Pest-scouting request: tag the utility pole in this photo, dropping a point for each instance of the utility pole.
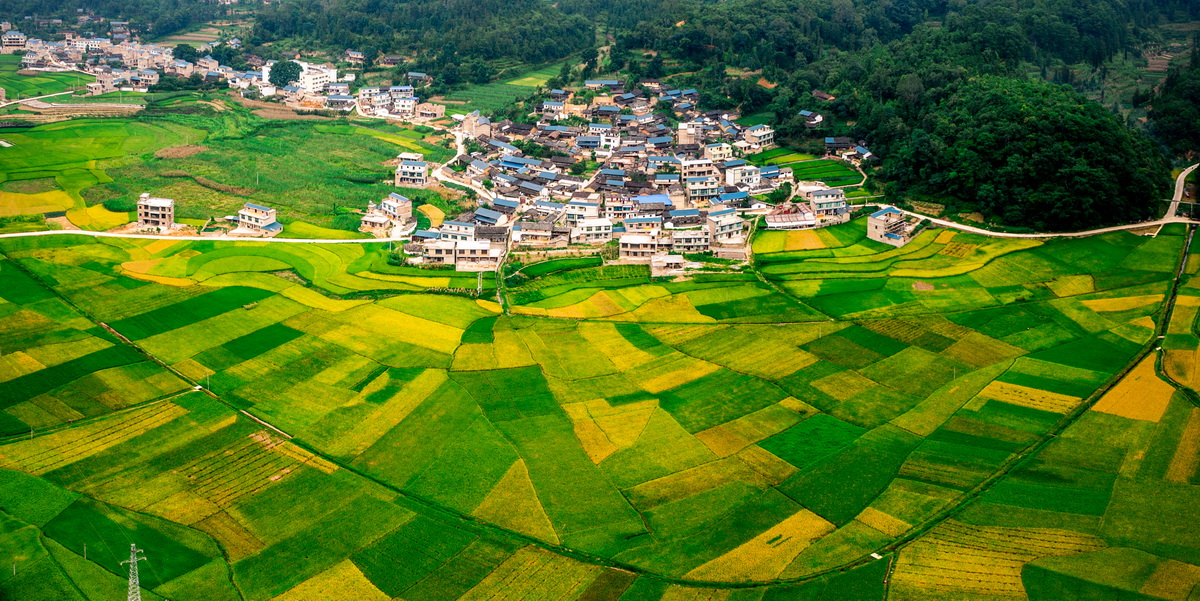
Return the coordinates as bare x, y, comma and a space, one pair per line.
135, 588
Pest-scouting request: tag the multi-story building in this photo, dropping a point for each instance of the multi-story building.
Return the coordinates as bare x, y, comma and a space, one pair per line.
890, 226
639, 248
257, 219
595, 230
761, 136
725, 225
155, 212
412, 174
12, 41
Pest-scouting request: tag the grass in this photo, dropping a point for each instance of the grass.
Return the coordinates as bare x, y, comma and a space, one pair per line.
733, 428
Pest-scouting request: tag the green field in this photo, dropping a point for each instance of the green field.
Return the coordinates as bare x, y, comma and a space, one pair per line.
305, 169
25, 86
492, 97
602, 434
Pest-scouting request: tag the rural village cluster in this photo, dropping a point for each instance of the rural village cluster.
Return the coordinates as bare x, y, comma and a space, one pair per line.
659, 183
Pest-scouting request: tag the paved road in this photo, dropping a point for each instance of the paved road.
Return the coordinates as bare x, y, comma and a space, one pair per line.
1179, 183
1097, 231
11, 102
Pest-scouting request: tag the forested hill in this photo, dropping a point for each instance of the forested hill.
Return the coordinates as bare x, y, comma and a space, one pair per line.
531, 31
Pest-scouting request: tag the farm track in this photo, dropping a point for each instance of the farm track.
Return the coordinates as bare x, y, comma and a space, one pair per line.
968, 497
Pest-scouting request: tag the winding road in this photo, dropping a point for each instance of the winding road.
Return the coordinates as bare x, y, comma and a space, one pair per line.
1180, 183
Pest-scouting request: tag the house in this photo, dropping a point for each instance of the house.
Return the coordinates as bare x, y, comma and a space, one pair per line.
747, 175
592, 230
638, 248
718, 152
395, 210
829, 204
832, 145
414, 174
890, 226
354, 57
429, 110
599, 84
791, 216
12, 41
725, 226
695, 240
811, 119
419, 77
257, 220
458, 231
155, 212
578, 210
822, 96
391, 60
760, 136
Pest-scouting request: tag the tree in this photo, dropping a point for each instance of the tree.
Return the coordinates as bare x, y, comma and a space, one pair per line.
186, 52
283, 73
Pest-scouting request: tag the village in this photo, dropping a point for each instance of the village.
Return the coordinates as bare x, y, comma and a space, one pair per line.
636, 165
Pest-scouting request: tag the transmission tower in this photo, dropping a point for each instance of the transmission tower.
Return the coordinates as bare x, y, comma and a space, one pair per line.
135, 589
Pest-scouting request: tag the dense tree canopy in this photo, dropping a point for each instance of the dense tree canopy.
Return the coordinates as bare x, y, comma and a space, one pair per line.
1176, 108
284, 73
1030, 153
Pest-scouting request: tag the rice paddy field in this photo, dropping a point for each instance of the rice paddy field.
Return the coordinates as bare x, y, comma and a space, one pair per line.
209, 164
25, 86
962, 418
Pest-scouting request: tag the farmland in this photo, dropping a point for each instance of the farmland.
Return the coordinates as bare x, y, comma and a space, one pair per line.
977, 411
209, 164
25, 86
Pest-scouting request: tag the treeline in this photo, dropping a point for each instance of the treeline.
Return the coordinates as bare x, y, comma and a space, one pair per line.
441, 33
159, 17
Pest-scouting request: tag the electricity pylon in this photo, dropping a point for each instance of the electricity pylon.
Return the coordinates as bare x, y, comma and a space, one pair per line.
135, 588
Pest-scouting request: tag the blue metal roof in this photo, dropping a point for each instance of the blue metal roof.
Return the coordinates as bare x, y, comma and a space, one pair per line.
488, 215
251, 205
887, 211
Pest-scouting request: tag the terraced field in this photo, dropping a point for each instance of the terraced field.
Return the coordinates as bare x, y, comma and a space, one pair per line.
975, 412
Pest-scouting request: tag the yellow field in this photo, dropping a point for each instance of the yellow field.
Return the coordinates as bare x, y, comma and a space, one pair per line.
436, 216
603, 429
766, 555
12, 203
513, 503
963, 561
883, 522
342, 581
1183, 367
1139, 395
1033, 398
1071, 285
1122, 304
387, 415
1187, 454
945, 236
60, 449
1172, 580
803, 240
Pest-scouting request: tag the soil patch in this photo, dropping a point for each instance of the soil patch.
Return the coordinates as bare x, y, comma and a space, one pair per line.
31, 186
922, 286
179, 152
